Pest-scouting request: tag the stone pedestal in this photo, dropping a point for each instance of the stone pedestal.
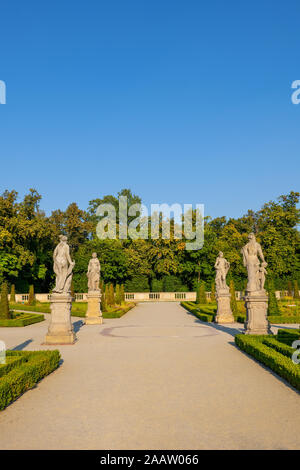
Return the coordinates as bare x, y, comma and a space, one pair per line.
224, 313
256, 304
60, 330
93, 315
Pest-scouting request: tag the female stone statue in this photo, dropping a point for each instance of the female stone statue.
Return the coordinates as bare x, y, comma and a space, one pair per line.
222, 267
252, 254
63, 266
93, 273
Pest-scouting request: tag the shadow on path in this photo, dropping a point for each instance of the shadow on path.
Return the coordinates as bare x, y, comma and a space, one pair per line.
21, 346
77, 325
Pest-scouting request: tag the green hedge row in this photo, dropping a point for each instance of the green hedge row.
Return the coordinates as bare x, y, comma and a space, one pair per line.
35, 366
21, 319
280, 319
288, 336
119, 312
11, 362
279, 363
205, 313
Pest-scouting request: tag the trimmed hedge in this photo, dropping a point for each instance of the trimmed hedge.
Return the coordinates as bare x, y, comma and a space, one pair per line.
22, 319
283, 365
33, 367
119, 312
288, 336
205, 312
281, 319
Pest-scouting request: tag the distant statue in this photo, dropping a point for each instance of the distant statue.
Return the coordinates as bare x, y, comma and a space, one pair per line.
222, 266
63, 266
93, 273
252, 254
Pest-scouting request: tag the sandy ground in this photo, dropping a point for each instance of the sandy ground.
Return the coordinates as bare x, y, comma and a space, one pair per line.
156, 378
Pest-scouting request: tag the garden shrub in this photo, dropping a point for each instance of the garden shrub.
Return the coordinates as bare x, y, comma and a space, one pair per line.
33, 367
4, 305
275, 360
12, 293
273, 308
288, 336
21, 319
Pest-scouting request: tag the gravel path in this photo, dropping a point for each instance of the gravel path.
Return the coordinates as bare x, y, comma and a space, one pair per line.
156, 378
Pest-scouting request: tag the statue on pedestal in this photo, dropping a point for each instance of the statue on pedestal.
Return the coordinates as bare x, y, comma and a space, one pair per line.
256, 298
63, 266
222, 266
252, 254
60, 330
93, 273
224, 313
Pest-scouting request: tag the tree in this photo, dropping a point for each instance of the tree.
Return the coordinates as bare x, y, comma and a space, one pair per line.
13, 293
4, 304
122, 293
103, 298
233, 303
72, 290
118, 296
290, 289
202, 293
273, 308
213, 292
296, 290
31, 298
106, 296
111, 295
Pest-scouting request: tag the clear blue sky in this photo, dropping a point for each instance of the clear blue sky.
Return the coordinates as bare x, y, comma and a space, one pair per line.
183, 101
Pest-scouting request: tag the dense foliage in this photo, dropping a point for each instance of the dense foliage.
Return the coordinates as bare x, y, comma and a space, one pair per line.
28, 238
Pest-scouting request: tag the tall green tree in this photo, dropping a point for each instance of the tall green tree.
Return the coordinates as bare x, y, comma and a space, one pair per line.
4, 304
233, 302
273, 308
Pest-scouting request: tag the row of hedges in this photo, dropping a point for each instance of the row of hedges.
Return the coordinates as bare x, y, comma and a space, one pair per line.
34, 366
271, 352
282, 319
78, 310
208, 312
205, 312
288, 336
21, 319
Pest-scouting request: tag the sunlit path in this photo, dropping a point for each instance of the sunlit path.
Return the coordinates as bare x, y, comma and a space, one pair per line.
156, 378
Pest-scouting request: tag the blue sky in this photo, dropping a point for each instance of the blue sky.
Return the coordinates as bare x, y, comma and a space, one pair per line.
181, 101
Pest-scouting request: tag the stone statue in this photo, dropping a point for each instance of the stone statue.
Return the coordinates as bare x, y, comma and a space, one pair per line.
252, 254
93, 273
63, 266
222, 267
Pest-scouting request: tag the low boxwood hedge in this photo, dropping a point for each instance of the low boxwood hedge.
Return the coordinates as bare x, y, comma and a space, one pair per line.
281, 319
21, 319
261, 349
288, 336
204, 312
23, 375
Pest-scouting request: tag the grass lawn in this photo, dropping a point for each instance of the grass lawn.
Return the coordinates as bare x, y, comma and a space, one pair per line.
78, 309
21, 319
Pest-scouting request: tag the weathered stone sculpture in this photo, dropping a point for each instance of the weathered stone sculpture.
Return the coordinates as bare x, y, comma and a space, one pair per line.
224, 313
256, 298
61, 330
93, 314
